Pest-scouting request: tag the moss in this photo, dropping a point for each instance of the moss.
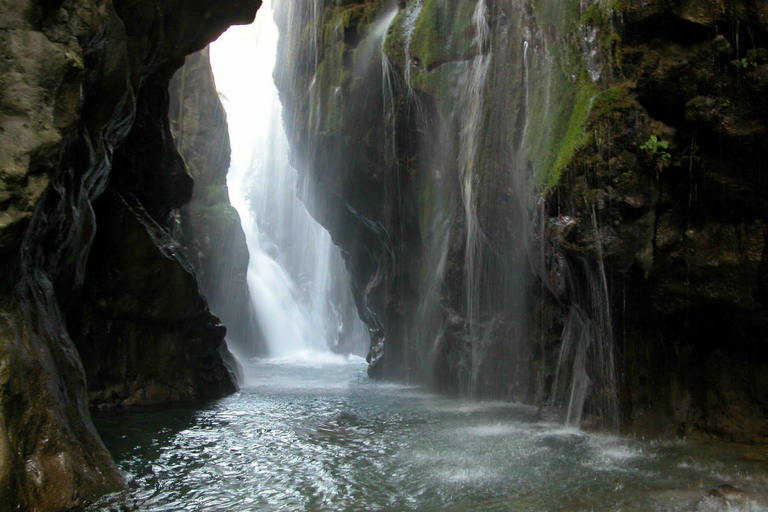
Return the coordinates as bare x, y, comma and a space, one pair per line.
615, 99
603, 18
442, 84
557, 128
427, 38
628, 180
345, 24
593, 15
209, 195
333, 81
575, 136
393, 42
443, 32
348, 20
220, 218
562, 16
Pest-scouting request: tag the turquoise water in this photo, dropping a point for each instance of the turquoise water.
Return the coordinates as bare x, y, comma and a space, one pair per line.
322, 437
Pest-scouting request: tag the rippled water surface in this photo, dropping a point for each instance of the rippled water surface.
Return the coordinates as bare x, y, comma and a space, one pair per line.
322, 437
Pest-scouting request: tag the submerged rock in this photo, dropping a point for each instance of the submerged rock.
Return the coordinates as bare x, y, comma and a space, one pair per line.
728, 494
723, 497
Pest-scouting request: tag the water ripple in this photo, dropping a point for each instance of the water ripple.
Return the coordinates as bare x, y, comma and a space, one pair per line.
324, 438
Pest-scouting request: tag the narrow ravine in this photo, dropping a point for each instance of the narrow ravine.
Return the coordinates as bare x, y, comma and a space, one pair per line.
310, 431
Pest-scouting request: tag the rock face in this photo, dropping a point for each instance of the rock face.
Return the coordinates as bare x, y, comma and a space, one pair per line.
210, 225
84, 107
555, 202
673, 172
143, 330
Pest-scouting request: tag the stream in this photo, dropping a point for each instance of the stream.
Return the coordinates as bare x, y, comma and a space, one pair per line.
318, 435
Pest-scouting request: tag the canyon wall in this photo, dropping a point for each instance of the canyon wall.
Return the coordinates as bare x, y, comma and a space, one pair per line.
559, 203
551, 202
89, 183
210, 226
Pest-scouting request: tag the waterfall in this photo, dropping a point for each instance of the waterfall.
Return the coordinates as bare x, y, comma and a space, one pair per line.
296, 275
471, 110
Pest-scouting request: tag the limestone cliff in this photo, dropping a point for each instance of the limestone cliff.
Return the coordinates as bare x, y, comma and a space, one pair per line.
85, 140
553, 202
673, 171
210, 225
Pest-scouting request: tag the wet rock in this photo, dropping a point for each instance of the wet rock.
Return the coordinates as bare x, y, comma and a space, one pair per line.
70, 74
727, 495
144, 331
210, 226
656, 186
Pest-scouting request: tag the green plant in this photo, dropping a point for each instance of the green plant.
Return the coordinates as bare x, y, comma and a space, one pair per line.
746, 62
658, 149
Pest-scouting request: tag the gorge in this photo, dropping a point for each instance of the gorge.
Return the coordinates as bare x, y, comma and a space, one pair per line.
549, 213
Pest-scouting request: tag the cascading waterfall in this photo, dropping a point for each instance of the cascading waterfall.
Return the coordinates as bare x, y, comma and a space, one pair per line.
434, 126
296, 275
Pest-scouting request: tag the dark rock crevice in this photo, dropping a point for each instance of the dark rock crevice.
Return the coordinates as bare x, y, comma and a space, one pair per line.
210, 228
72, 75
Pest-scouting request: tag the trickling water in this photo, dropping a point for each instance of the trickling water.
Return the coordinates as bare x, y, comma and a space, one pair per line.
588, 338
471, 110
526, 66
606, 366
296, 275
414, 10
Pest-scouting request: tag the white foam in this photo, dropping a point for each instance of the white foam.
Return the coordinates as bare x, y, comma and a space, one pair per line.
493, 430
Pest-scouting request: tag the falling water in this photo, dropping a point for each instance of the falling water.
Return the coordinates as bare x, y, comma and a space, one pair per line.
409, 26
526, 66
469, 135
296, 275
588, 339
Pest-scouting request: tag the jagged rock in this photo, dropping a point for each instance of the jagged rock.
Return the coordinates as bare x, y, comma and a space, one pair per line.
211, 227
728, 494
143, 329
72, 72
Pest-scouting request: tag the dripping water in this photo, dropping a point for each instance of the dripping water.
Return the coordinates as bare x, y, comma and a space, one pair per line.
471, 110
409, 26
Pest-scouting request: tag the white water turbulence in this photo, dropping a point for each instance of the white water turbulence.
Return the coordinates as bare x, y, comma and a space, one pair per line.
296, 276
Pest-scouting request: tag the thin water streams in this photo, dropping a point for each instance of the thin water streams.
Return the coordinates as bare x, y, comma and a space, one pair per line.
472, 101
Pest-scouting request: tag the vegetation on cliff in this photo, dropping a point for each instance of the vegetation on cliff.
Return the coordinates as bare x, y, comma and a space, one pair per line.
606, 135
